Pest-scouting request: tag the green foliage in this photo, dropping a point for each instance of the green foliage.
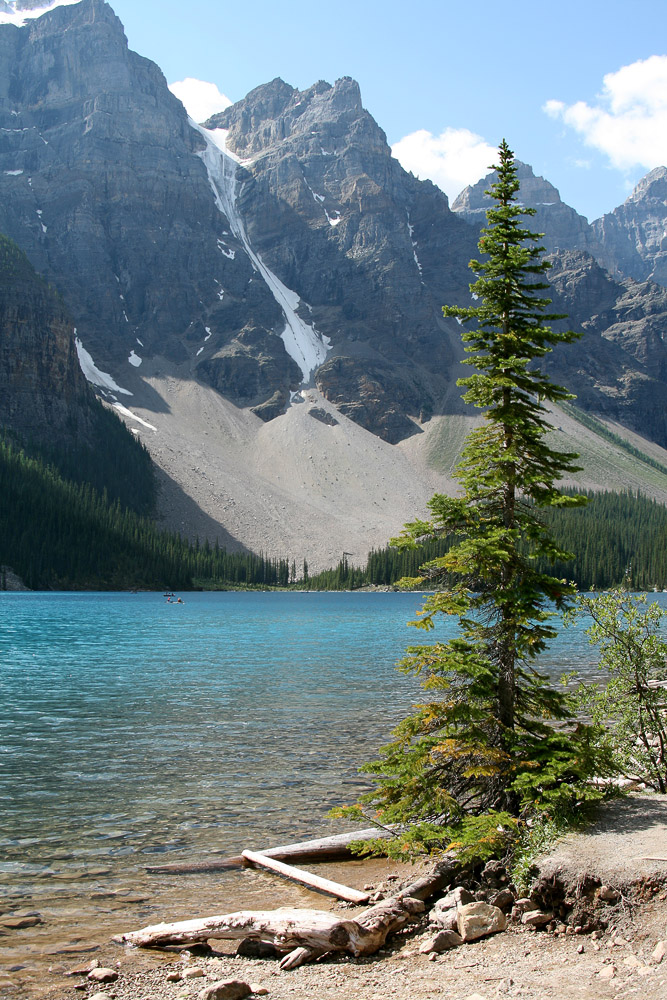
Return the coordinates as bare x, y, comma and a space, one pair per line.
612, 532
494, 737
632, 704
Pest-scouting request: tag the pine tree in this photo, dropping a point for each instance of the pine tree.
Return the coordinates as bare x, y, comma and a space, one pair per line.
486, 745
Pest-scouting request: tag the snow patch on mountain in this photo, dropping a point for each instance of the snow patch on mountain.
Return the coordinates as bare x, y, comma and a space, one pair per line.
101, 379
303, 342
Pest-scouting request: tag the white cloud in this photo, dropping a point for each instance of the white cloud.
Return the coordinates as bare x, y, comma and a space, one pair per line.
200, 99
452, 160
628, 122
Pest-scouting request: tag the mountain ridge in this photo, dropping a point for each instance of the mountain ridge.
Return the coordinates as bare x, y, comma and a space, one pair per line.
195, 260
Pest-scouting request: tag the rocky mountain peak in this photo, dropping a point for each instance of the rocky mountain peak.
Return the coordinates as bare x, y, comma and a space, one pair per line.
635, 234
563, 228
535, 191
319, 116
651, 187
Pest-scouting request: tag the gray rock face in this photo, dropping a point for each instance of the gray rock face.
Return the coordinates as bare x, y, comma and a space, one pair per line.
43, 394
103, 184
635, 234
619, 367
373, 251
563, 228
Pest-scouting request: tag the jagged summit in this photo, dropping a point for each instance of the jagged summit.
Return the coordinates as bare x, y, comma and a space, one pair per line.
535, 191
563, 228
651, 187
276, 112
634, 234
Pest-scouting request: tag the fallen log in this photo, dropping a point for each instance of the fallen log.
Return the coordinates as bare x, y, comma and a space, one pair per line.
307, 878
302, 934
335, 848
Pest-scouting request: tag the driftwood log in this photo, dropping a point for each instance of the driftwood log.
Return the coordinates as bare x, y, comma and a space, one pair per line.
306, 878
334, 848
303, 935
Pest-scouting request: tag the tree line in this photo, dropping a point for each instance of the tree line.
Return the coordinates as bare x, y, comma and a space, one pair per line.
58, 533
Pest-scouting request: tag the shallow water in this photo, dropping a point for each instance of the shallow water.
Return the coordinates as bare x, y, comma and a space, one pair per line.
135, 732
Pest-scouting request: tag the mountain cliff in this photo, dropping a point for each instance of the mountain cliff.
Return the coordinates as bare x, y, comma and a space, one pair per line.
635, 235
44, 396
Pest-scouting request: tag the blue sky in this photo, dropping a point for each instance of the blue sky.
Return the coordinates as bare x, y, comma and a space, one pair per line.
435, 65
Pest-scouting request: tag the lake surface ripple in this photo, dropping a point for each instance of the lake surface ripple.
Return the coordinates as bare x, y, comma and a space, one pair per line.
135, 732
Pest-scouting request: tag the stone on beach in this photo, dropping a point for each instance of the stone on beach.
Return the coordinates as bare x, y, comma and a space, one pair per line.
226, 989
536, 918
476, 920
103, 975
442, 941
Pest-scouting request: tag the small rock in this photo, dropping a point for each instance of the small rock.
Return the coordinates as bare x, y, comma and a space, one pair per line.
18, 923
632, 962
99, 996
659, 952
607, 973
103, 975
194, 972
173, 977
441, 942
608, 894
226, 989
83, 970
494, 871
259, 991
536, 918
524, 904
476, 920
457, 897
580, 949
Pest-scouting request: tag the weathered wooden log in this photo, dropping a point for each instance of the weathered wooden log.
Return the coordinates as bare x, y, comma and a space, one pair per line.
303, 934
334, 848
325, 885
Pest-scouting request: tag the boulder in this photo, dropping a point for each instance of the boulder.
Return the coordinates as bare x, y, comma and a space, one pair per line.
503, 899
476, 920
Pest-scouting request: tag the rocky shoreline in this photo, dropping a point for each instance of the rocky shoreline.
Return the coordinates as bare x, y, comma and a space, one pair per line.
594, 924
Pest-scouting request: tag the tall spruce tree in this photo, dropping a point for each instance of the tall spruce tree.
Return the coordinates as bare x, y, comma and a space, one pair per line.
496, 737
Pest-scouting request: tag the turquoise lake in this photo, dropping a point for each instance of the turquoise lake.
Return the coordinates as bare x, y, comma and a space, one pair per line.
135, 732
